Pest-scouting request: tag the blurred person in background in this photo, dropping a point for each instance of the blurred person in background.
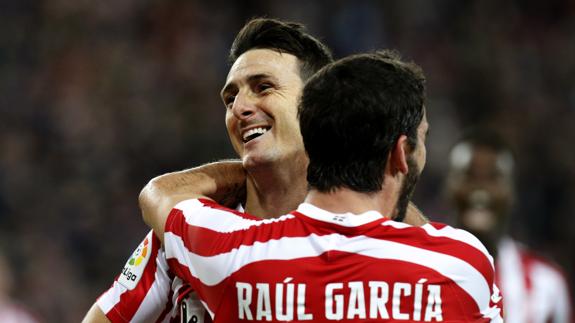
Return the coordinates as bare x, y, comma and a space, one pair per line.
10, 310
480, 185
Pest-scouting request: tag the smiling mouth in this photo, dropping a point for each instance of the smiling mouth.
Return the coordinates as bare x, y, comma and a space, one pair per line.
254, 133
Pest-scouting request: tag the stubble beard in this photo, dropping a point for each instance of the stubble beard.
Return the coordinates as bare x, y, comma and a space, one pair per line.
407, 188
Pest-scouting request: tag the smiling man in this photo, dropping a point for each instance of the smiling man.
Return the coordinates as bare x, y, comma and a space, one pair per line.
271, 60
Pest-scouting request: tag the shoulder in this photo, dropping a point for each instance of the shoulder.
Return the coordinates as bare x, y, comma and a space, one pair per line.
458, 236
205, 213
457, 245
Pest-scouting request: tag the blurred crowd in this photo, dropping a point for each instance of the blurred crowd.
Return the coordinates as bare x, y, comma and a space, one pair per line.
98, 97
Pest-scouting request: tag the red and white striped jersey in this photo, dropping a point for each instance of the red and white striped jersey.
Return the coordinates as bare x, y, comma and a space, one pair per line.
535, 290
314, 265
146, 290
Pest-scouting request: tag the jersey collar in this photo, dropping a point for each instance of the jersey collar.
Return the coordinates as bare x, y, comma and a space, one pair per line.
349, 220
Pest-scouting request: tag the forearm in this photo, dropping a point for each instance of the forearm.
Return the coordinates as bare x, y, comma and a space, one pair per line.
221, 181
414, 216
95, 315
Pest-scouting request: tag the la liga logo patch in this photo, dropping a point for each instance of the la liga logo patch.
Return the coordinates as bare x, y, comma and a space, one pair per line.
134, 268
140, 253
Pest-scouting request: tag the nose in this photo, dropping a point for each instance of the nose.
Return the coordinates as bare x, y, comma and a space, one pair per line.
244, 106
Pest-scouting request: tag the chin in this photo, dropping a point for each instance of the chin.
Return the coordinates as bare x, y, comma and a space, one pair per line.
256, 160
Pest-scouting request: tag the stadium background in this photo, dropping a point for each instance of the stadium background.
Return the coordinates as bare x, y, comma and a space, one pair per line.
97, 97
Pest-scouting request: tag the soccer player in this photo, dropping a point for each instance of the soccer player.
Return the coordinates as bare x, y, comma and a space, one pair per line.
480, 183
339, 256
271, 60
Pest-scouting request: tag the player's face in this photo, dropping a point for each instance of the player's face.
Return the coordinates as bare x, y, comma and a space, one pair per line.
416, 162
261, 94
482, 192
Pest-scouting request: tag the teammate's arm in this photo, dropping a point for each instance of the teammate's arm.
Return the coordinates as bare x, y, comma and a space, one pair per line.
222, 181
95, 315
414, 216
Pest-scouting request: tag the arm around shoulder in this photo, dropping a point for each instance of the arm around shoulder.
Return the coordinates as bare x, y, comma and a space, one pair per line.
221, 181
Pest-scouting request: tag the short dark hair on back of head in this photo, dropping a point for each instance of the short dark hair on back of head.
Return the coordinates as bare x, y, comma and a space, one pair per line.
351, 114
284, 37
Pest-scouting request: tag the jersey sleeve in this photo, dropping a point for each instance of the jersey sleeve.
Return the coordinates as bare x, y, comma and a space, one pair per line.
178, 235
191, 228
193, 222
478, 275
143, 290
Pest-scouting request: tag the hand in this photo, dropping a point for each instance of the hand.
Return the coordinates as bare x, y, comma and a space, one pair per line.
222, 181
414, 216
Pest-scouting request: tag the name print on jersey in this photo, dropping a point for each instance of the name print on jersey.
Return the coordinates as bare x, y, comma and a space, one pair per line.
354, 300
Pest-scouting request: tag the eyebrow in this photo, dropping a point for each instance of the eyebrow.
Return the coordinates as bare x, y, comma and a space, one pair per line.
251, 79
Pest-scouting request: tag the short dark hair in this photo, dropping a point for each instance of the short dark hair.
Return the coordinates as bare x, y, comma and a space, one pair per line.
284, 37
351, 114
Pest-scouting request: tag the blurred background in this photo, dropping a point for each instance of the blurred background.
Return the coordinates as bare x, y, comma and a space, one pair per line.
98, 97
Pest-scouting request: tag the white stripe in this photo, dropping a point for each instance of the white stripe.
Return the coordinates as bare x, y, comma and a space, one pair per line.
397, 225
111, 297
212, 270
199, 215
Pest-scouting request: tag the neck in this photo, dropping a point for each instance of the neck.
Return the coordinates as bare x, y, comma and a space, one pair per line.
344, 200
276, 188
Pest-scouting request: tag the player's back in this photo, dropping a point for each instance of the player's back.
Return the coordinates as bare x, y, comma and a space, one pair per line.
318, 266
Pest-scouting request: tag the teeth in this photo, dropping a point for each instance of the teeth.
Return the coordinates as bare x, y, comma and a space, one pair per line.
254, 131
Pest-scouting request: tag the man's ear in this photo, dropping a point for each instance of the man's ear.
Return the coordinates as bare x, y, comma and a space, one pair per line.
398, 156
